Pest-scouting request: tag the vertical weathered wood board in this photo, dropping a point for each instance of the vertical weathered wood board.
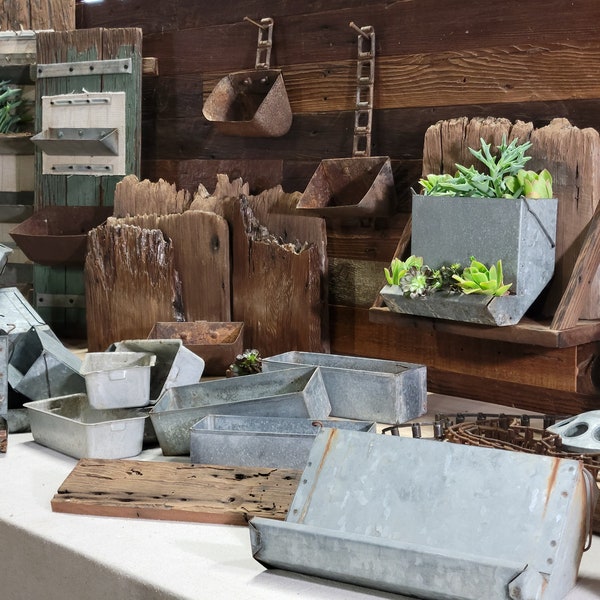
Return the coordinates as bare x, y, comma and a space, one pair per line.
58, 289
130, 283
277, 288
201, 253
37, 14
569, 153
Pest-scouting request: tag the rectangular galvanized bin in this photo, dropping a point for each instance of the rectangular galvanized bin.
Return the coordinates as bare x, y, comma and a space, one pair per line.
384, 391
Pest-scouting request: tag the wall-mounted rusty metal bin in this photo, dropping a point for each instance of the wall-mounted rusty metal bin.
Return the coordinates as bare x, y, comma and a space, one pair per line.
57, 235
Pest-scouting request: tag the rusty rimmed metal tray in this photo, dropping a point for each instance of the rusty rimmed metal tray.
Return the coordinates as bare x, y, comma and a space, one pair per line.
278, 442
368, 389
432, 519
294, 392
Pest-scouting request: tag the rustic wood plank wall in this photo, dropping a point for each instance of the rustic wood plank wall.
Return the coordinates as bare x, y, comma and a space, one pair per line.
436, 59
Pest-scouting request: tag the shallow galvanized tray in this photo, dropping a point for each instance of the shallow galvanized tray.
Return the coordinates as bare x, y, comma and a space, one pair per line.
117, 379
69, 424
296, 392
260, 441
368, 389
433, 520
218, 343
175, 364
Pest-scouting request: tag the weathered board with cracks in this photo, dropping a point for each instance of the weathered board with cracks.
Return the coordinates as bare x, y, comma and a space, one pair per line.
572, 156
130, 284
176, 491
201, 254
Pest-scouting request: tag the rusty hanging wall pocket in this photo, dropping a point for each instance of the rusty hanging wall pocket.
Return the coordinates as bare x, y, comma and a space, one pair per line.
252, 103
361, 186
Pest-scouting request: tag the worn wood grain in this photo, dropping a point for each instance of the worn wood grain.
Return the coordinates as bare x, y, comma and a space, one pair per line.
130, 284
134, 197
176, 491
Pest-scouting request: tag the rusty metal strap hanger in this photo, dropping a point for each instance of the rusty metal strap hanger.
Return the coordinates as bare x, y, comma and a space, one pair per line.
265, 42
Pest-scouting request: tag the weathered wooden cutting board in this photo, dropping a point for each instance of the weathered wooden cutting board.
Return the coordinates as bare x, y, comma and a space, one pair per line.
176, 491
201, 254
130, 284
572, 156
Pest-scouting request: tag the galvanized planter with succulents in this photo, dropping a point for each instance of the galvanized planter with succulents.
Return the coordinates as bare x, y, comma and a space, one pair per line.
15, 117
483, 243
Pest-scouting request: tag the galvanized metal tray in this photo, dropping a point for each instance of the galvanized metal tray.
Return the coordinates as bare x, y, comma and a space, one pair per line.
69, 424
432, 519
295, 392
368, 389
278, 442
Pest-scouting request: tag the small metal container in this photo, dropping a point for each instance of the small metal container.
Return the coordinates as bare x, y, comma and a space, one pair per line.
260, 441
175, 365
367, 389
296, 392
69, 424
117, 379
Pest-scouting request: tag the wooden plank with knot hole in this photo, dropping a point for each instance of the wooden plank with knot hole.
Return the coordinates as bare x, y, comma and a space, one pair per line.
176, 491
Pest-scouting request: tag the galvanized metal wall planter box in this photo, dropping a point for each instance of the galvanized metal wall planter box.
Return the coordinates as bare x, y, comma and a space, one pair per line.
69, 424
296, 392
368, 389
432, 519
445, 230
278, 442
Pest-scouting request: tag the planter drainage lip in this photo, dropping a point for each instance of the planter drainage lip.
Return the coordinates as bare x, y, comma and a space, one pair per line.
292, 392
369, 507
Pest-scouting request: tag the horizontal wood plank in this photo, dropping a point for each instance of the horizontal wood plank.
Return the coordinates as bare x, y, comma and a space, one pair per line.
175, 491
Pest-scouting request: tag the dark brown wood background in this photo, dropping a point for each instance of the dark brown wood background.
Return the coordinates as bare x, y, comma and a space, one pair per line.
436, 59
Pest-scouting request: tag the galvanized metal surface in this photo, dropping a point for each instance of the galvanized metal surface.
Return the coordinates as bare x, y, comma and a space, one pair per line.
217, 343
580, 433
174, 366
57, 235
520, 232
432, 519
252, 103
117, 379
117, 66
368, 389
294, 392
69, 424
88, 141
40, 366
260, 441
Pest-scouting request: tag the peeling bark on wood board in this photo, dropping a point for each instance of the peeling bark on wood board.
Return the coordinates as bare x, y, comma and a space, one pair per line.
130, 284
277, 288
201, 254
176, 491
570, 154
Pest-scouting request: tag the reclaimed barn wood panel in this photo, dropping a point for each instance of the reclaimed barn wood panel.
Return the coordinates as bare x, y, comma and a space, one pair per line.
37, 14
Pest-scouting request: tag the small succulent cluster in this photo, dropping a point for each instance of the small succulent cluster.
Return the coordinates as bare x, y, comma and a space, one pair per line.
506, 176
247, 363
12, 108
417, 280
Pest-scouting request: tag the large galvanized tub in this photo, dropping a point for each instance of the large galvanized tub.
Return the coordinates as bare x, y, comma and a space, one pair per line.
69, 424
117, 379
40, 366
218, 343
520, 232
296, 392
175, 364
368, 389
278, 442
432, 519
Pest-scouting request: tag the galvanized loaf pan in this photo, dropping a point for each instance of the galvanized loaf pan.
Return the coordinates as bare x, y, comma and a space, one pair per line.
260, 441
367, 389
433, 520
296, 392
69, 424
117, 379
175, 365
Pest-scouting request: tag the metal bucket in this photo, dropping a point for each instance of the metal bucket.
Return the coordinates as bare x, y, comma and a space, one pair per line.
361, 186
252, 103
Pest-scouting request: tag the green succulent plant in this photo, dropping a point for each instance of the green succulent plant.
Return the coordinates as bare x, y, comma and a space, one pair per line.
505, 176
398, 268
478, 279
247, 363
13, 109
